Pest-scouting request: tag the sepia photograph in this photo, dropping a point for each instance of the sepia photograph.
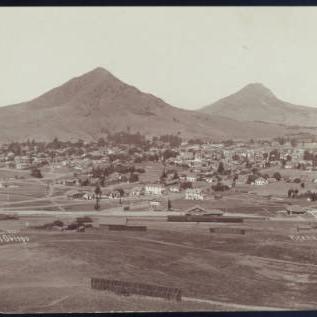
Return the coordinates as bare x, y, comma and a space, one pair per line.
158, 159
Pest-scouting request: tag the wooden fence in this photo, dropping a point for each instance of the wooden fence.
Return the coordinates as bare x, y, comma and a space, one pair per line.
127, 288
204, 219
126, 228
228, 230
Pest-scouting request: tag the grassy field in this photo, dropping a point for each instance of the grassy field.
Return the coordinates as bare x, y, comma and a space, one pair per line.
7, 173
51, 273
153, 171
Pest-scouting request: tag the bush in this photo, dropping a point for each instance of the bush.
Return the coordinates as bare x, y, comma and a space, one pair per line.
58, 223
133, 178
277, 176
220, 187
185, 185
35, 172
73, 226
83, 219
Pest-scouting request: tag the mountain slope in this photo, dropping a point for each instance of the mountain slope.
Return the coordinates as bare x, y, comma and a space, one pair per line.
255, 102
96, 103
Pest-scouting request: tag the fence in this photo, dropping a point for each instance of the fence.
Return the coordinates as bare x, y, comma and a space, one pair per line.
12, 238
228, 230
8, 217
204, 219
303, 237
126, 228
127, 288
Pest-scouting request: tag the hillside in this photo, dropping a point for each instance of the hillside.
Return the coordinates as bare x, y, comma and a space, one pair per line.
255, 102
96, 103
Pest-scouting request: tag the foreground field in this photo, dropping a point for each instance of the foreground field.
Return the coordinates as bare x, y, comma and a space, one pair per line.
263, 269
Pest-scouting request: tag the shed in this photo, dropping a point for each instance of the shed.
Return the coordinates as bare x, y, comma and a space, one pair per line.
197, 210
295, 209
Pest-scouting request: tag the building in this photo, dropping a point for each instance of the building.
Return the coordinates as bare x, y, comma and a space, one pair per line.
154, 189
261, 181
115, 194
242, 179
194, 194
197, 210
155, 205
136, 192
23, 162
295, 209
174, 189
191, 179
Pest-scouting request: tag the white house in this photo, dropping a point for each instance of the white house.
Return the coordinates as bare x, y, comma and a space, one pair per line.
261, 181
136, 192
174, 189
191, 179
154, 189
155, 205
194, 194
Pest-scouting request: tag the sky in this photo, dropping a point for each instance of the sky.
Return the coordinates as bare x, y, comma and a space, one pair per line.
188, 56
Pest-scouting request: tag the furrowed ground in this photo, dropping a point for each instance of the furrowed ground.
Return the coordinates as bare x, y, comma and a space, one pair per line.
263, 268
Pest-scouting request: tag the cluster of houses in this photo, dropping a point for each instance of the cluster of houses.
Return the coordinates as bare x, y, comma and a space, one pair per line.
196, 163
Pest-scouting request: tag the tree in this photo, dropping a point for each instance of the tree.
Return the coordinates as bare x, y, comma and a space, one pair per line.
221, 168
121, 191
163, 175
251, 179
228, 142
293, 142
289, 193
277, 176
84, 182
55, 144
35, 172
274, 155
133, 178
101, 142
79, 143
185, 185
15, 147
169, 204
98, 196
220, 187
308, 156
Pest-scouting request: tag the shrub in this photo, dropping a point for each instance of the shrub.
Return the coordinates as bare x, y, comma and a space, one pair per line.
84, 219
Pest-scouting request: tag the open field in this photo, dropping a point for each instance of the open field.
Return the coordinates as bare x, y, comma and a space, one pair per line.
264, 268
8, 173
153, 171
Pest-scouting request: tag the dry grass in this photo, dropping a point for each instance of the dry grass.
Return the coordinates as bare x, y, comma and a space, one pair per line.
52, 272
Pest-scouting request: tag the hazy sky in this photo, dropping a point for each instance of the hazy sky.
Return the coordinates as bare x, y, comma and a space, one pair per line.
188, 56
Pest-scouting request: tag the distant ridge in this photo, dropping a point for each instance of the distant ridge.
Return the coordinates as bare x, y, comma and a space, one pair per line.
255, 102
96, 103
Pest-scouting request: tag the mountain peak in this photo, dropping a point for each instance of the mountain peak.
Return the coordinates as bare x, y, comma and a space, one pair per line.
99, 72
257, 89
255, 102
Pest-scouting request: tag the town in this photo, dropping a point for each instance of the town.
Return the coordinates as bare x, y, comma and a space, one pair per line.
128, 168
207, 205
158, 159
